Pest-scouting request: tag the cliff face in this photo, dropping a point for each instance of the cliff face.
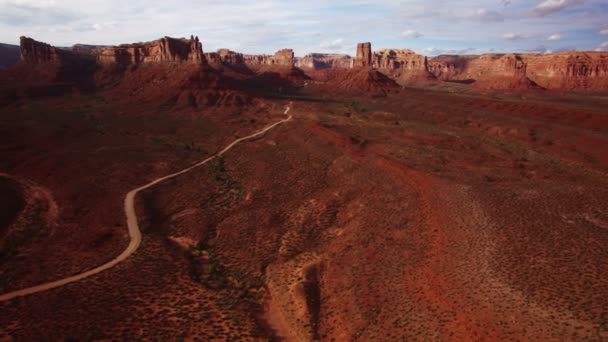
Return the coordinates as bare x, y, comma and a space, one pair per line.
35, 52
166, 49
402, 64
364, 55
570, 70
225, 56
283, 57
574, 70
320, 61
492, 71
477, 67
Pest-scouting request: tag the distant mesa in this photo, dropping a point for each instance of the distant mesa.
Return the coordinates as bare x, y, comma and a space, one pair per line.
402, 64
567, 70
166, 49
35, 52
320, 61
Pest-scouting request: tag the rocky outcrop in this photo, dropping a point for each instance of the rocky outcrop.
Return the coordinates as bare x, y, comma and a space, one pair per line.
569, 70
283, 57
364, 55
225, 56
166, 49
402, 64
477, 67
448, 67
35, 52
491, 71
320, 61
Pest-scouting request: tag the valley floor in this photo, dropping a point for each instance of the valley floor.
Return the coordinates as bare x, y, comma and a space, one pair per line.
423, 215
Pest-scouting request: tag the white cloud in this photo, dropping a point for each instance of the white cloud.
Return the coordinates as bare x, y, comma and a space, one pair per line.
270, 25
554, 37
411, 34
602, 47
513, 36
332, 45
604, 32
552, 6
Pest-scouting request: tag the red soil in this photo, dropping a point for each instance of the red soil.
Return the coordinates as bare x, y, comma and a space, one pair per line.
417, 215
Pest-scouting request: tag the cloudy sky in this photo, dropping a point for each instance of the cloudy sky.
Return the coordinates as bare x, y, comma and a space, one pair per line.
429, 27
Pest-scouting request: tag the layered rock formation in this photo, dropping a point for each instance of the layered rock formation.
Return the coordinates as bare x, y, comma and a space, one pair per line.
166, 49
320, 61
283, 57
364, 55
35, 52
477, 67
401, 64
569, 70
491, 71
225, 56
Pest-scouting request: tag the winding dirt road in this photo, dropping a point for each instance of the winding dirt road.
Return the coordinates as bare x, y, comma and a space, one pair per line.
132, 224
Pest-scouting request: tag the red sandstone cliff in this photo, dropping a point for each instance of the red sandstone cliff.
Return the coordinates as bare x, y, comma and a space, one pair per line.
320, 61
569, 70
496, 71
401, 64
283, 57
35, 52
166, 49
364, 55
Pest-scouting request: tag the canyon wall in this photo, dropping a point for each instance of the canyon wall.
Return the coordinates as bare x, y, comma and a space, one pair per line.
35, 52
163, 50
477, 67
492, 71
225, 56
569, 70
166, 49
320, 61
401, 64
283, 57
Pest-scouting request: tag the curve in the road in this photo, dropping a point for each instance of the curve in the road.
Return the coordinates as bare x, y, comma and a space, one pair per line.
132, 224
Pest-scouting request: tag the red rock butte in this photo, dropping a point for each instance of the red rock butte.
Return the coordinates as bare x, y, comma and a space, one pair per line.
566, 70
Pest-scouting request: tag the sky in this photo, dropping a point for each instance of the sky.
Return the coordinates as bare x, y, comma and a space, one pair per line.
429, 27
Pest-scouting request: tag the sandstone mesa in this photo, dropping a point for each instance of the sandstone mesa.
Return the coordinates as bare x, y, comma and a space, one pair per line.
567, 70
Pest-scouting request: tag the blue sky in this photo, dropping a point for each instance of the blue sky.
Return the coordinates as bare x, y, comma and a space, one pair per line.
429, 27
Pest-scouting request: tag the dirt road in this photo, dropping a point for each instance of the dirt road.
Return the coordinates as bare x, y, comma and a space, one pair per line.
132, 224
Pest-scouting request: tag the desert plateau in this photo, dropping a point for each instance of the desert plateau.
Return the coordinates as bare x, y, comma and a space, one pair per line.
157, 189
